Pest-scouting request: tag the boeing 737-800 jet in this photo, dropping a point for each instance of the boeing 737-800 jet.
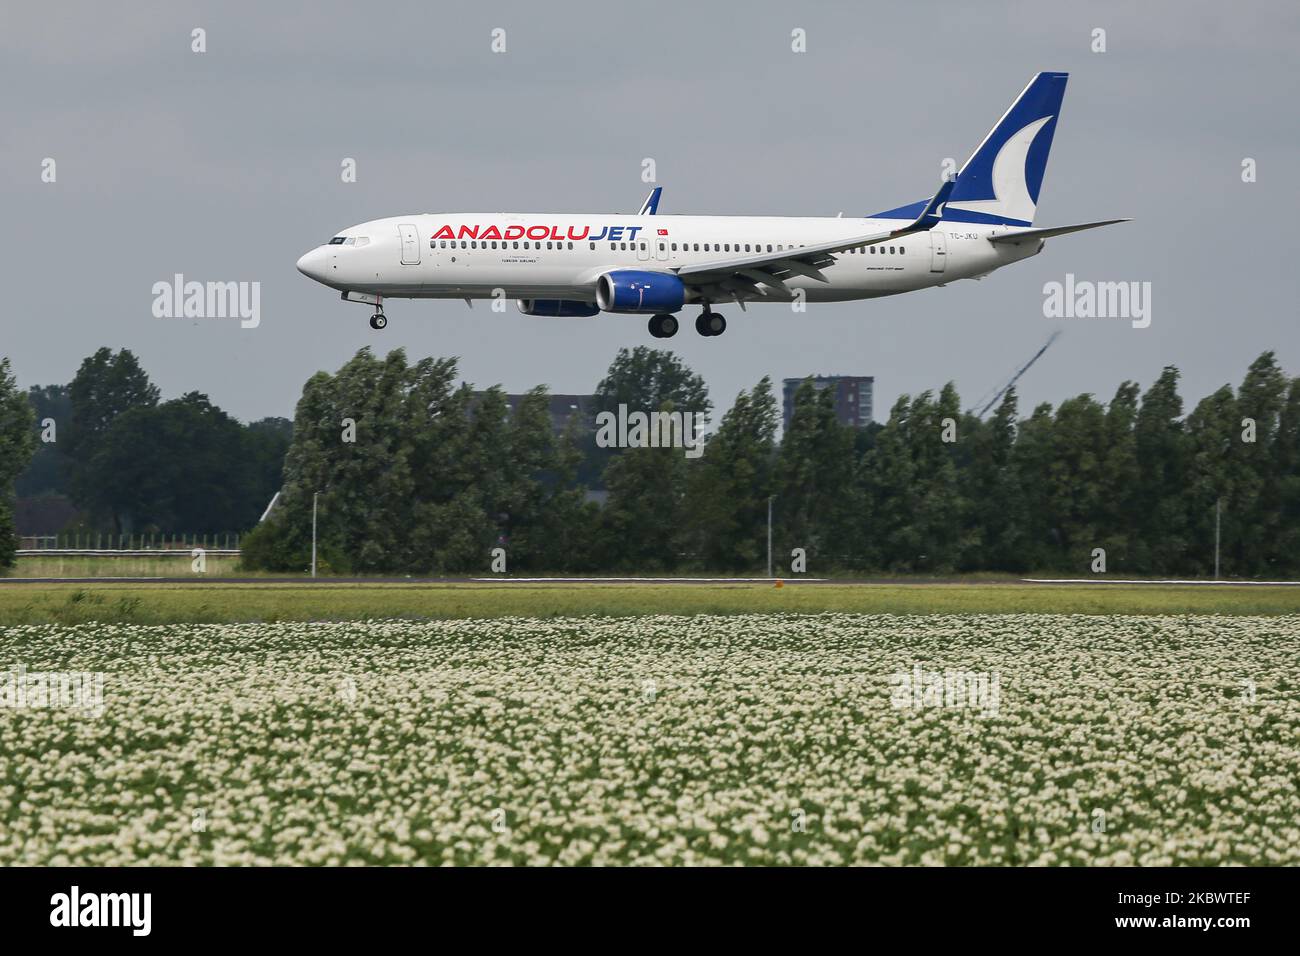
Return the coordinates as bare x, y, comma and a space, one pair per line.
657, 265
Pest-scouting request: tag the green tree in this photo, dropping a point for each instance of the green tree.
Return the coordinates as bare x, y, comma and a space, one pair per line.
1212, 428
182, 465
645, 379
106, 385
17, 444
413, 473
550, 525
814, 480
885, 534
994, 502
1156, 509
642, 522
49, 472
267, 441
1285, 546
1118, 480
1256, 504
1034, 466
730, 484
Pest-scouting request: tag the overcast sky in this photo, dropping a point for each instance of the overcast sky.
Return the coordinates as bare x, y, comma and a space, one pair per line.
225, 166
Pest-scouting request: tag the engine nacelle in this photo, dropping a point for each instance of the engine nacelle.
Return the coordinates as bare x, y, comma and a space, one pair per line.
629, 290
560, 308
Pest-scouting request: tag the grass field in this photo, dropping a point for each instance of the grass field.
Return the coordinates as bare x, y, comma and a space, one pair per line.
764, 739
171, 565
215, 602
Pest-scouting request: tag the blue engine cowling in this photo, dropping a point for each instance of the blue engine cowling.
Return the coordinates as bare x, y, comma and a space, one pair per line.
563, 308
628, 290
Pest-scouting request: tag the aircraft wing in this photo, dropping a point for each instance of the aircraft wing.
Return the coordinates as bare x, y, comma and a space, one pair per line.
733, 278
1047, 233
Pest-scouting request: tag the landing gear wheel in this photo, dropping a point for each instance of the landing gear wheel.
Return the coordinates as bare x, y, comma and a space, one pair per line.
710, 324
377, 321
663, 325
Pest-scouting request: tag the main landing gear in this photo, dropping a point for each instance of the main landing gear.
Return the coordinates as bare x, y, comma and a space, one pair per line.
377, 321
710, 323
663, 325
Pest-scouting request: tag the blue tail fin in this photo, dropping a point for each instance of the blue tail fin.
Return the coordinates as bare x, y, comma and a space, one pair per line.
1001, 181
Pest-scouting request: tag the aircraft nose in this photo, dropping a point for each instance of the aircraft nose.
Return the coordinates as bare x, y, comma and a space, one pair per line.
313, 264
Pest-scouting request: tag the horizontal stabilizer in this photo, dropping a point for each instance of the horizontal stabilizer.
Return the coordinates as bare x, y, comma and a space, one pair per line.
1025, 235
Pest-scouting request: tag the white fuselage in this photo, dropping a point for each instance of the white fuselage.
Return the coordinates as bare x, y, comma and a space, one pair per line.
544, 256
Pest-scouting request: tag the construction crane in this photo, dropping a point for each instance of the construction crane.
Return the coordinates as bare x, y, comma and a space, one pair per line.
1014, 378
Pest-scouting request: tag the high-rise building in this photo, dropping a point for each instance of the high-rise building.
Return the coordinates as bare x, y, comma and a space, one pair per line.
853, 397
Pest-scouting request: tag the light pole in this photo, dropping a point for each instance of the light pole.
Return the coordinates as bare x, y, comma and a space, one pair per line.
770, 499
1217, 503
315, 495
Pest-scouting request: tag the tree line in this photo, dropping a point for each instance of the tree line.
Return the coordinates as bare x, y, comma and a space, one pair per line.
129, 461
414, 472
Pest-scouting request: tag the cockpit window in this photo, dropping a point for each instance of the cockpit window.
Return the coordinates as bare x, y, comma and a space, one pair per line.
336, 241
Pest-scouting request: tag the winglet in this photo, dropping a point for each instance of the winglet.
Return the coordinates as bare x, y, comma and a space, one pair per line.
931, 215
933, 211
651, 205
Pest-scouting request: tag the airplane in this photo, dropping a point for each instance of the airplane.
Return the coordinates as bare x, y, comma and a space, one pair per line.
582, 265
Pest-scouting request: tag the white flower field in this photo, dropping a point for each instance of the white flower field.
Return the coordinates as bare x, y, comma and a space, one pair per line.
773, 739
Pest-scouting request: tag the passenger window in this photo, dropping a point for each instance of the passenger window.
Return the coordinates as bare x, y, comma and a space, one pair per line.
769, 247
593, 247
643, 247
674, 247
902, 251
516, 245
570, 245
